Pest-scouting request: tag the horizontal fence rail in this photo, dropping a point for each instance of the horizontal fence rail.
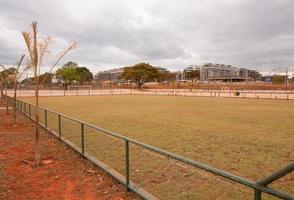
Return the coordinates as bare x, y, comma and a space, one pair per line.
59, 129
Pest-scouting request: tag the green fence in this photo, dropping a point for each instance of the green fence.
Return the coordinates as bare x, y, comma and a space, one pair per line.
142, 167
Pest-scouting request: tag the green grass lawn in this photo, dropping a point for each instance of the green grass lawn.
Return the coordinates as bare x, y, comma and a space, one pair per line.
247, 137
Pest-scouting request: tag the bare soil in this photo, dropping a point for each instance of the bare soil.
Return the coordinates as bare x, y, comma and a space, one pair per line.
63, 174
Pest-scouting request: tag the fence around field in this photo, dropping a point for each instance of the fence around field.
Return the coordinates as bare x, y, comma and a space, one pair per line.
250, 94
148, 170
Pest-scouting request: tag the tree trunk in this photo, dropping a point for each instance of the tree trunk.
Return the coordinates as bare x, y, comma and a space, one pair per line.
14, 102
1, 90
36, 73
37, 132
140, 85
6, 99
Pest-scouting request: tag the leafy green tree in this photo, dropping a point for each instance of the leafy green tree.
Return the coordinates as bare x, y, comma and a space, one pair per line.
84, 75
46, 78
71, 63
67, 75
193, 74
279, 79
27, 81
165, 75
6, 75
141, 73
71, 72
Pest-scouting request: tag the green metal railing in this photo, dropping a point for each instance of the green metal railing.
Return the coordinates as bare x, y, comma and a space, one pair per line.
258, 187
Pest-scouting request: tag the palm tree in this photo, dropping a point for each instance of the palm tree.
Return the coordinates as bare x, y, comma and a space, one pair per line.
38, 49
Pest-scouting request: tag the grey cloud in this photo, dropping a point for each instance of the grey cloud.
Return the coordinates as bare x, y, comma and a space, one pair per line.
170, 33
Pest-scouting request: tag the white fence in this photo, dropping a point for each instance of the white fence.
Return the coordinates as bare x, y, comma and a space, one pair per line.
254, 94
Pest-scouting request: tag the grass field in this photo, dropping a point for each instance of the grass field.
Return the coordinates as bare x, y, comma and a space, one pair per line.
250, 138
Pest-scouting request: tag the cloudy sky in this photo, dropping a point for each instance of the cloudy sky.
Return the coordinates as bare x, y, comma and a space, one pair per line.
168, 33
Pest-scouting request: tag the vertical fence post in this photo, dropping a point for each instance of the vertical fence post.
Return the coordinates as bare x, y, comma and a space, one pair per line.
21, 106
257, 194
127, 165
25, 108
82, 138
59, 126
45, 112
30, 110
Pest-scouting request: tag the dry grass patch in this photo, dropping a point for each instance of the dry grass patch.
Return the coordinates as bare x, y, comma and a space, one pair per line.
248, 137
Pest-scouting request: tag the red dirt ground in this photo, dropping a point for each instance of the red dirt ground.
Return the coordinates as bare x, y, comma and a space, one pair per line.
63, 174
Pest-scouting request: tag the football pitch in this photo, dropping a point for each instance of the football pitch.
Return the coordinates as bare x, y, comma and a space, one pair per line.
247, 137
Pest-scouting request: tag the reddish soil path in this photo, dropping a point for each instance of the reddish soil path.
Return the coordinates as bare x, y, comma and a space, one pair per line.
64, 174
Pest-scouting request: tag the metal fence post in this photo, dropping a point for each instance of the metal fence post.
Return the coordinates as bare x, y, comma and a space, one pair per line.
59, 126
127, 165
82, 138
30, 110
45, 118
25, 108
257, 194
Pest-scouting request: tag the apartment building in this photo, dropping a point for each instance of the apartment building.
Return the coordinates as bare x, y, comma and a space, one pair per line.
187, 70
112, 75
218, 72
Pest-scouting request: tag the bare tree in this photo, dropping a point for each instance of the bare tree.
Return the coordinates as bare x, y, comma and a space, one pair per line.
1, 90
4, 80
1, 83
16, 77
37, 50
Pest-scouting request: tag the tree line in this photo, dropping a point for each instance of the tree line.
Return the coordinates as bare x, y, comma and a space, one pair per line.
66, 75
144, 72
71, 73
